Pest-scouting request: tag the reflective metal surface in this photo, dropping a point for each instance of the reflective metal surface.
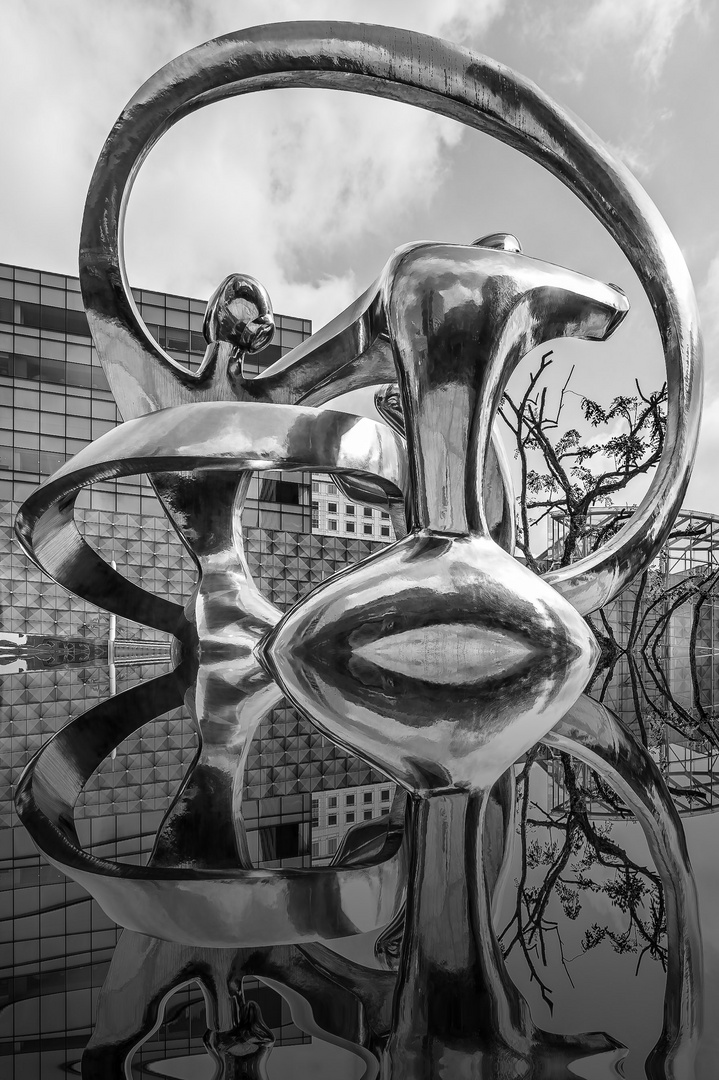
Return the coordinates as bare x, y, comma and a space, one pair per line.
443, 659
225, 687
222, 441
440, 660
351, 351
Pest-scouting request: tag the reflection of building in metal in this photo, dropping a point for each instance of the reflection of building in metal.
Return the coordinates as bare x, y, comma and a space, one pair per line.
334, 514
56, 943
691, 774
34, 652
666, 686
675, 612
334, 812
693, 542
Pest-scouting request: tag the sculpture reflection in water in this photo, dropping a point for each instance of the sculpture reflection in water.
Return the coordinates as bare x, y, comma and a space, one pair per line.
441, 660
339, 1001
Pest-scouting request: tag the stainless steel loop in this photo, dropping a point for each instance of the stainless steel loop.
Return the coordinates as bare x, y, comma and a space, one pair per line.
446, 79
205, 436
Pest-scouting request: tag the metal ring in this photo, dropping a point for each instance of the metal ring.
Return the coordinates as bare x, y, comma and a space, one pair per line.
216, 435
467, 87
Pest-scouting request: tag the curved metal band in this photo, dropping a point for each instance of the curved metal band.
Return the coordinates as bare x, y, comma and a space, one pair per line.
216, 435
218, 909
467, 87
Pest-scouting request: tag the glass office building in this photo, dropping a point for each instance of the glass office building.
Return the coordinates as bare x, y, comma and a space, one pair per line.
55, 943
665, 688
55, 397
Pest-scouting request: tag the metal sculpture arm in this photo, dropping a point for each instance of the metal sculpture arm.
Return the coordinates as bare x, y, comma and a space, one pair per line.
221, 436
446, 79
594, 735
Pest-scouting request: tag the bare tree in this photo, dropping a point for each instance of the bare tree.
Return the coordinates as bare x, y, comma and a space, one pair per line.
576, 474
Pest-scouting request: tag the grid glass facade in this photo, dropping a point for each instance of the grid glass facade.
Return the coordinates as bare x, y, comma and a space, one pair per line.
664, 685
55, 397
56, 945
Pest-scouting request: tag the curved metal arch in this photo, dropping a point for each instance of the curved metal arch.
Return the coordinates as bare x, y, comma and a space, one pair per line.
214, 435
457, 83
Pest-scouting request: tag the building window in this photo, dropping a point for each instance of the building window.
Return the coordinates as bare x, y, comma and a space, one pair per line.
368, 511
349, 818
368, 530
349, 526
332, 845
315, 488
280, 491
367, 815
280, 841
349, 800
332, 802
349, 509
315, 849
385, 795
331, 819
367, 796
385, 516
385, 811
332, 524
385, 530
331, 508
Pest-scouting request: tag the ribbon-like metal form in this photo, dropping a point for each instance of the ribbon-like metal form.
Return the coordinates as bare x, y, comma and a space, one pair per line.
441, 659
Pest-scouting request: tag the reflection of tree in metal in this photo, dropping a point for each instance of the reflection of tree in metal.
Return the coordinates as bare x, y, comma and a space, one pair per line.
660, 646
441, 659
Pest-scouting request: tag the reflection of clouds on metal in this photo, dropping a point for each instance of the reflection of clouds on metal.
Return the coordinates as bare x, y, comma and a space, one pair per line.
441, 659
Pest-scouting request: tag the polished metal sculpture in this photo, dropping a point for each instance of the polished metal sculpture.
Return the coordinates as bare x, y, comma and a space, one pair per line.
440, 660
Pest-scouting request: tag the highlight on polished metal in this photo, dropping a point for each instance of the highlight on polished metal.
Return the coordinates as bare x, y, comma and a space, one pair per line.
440, 661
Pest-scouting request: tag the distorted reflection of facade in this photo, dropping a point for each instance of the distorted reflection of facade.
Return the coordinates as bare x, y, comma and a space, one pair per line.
54, 399
335, 812
664, 682
334, 515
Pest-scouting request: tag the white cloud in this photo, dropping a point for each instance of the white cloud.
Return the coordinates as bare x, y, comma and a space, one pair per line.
278, 184
460, 21
709, 313
635, 158
649, 25
575, 32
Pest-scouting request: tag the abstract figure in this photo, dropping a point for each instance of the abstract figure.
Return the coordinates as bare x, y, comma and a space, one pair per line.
440, 660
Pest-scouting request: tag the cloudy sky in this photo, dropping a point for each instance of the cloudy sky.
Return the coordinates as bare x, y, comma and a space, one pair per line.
311, 190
